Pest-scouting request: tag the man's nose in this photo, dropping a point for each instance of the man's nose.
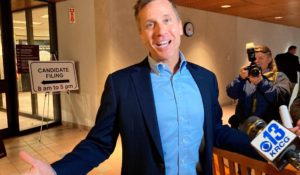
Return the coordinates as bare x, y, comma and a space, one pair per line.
160, 28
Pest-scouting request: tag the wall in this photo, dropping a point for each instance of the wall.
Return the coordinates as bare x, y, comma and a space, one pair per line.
105, 38
77, 42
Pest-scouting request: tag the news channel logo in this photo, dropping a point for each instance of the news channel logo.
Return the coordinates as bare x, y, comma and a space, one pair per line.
272, 140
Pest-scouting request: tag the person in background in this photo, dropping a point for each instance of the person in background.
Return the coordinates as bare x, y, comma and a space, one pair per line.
288, 63
165, 110
259, 95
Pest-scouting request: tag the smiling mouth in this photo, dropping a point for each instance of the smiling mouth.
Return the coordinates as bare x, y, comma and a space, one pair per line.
163, 43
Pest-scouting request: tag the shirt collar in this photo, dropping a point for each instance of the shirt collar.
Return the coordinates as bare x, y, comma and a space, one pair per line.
157, 67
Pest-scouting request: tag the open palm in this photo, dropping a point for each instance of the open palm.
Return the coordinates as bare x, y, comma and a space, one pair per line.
38, 167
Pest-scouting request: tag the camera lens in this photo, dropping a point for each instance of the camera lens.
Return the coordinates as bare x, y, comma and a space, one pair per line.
255, 71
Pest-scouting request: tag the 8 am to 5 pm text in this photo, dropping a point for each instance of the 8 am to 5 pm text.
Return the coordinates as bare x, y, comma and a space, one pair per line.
54, 88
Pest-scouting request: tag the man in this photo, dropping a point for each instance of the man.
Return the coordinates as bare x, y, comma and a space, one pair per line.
164, 108
288, 63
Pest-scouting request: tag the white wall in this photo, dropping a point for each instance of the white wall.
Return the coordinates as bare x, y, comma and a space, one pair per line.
77, 42
105, 38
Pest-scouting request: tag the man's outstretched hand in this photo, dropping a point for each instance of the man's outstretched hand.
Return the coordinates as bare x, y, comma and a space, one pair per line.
38, 167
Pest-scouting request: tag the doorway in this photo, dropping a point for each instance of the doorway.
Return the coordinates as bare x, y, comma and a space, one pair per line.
21, 111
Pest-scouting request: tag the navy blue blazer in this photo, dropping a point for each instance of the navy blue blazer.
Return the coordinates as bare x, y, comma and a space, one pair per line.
127, 108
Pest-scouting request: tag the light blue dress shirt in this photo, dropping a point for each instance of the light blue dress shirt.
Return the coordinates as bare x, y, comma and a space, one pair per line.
180, 116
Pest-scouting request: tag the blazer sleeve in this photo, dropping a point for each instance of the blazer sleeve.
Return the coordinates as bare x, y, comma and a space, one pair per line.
99, 143
229, 138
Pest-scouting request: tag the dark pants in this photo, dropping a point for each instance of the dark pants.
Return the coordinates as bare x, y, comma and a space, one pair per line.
2, 149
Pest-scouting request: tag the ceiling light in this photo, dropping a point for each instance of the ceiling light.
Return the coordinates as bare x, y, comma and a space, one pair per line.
44, 16
36, 23
278, 17
225, 6
19, 27
23, 22
19, 22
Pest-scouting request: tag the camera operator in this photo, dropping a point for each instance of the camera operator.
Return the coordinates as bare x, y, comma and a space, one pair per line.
259, 88
295, 112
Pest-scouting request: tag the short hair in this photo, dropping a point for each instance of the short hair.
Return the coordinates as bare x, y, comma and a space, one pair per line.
292, 47
140, 4
263, 49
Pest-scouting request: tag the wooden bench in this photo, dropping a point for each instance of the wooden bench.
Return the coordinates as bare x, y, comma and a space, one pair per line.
226, 163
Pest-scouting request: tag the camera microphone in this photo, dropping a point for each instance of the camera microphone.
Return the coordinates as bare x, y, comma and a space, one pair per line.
285, 116
272, 141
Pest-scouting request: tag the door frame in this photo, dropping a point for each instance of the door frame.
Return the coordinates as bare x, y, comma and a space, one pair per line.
8, 86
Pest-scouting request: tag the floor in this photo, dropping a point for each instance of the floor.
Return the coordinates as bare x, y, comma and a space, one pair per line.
50, 145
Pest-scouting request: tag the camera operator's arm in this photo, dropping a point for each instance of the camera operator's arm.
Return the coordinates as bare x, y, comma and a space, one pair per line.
296, 129
235, 88
295, 109
277, 91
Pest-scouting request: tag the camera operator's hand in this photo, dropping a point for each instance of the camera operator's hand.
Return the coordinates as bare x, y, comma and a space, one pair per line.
244, 72
255, 80
296, 129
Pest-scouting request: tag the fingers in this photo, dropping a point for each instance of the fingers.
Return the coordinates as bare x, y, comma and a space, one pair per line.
27, 158
296, 130
255, 80
38, 167
298, 123
244, 72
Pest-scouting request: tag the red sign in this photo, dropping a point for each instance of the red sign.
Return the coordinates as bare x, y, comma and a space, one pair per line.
72, 15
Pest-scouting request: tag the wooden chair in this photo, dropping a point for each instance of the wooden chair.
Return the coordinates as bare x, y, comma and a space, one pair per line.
226, 163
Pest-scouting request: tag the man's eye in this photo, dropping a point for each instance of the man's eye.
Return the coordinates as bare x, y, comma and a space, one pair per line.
167, 20
149, 25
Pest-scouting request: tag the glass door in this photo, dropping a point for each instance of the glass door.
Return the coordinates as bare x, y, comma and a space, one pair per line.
31, 27
8, 98
3, 114
21, 111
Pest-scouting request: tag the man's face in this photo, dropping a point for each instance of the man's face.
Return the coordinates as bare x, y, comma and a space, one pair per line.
160, 30
293, 51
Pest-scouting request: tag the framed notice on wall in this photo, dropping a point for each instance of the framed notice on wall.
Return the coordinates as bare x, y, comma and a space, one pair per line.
52, 76
24, 54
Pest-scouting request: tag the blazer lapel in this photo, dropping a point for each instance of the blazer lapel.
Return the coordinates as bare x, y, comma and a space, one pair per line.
205, 90
142, 83
204, 87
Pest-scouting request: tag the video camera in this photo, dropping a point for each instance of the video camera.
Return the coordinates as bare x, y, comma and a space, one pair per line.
253, 69
273, 141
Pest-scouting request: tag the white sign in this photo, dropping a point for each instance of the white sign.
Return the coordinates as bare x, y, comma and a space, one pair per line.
52, 76
273, 140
